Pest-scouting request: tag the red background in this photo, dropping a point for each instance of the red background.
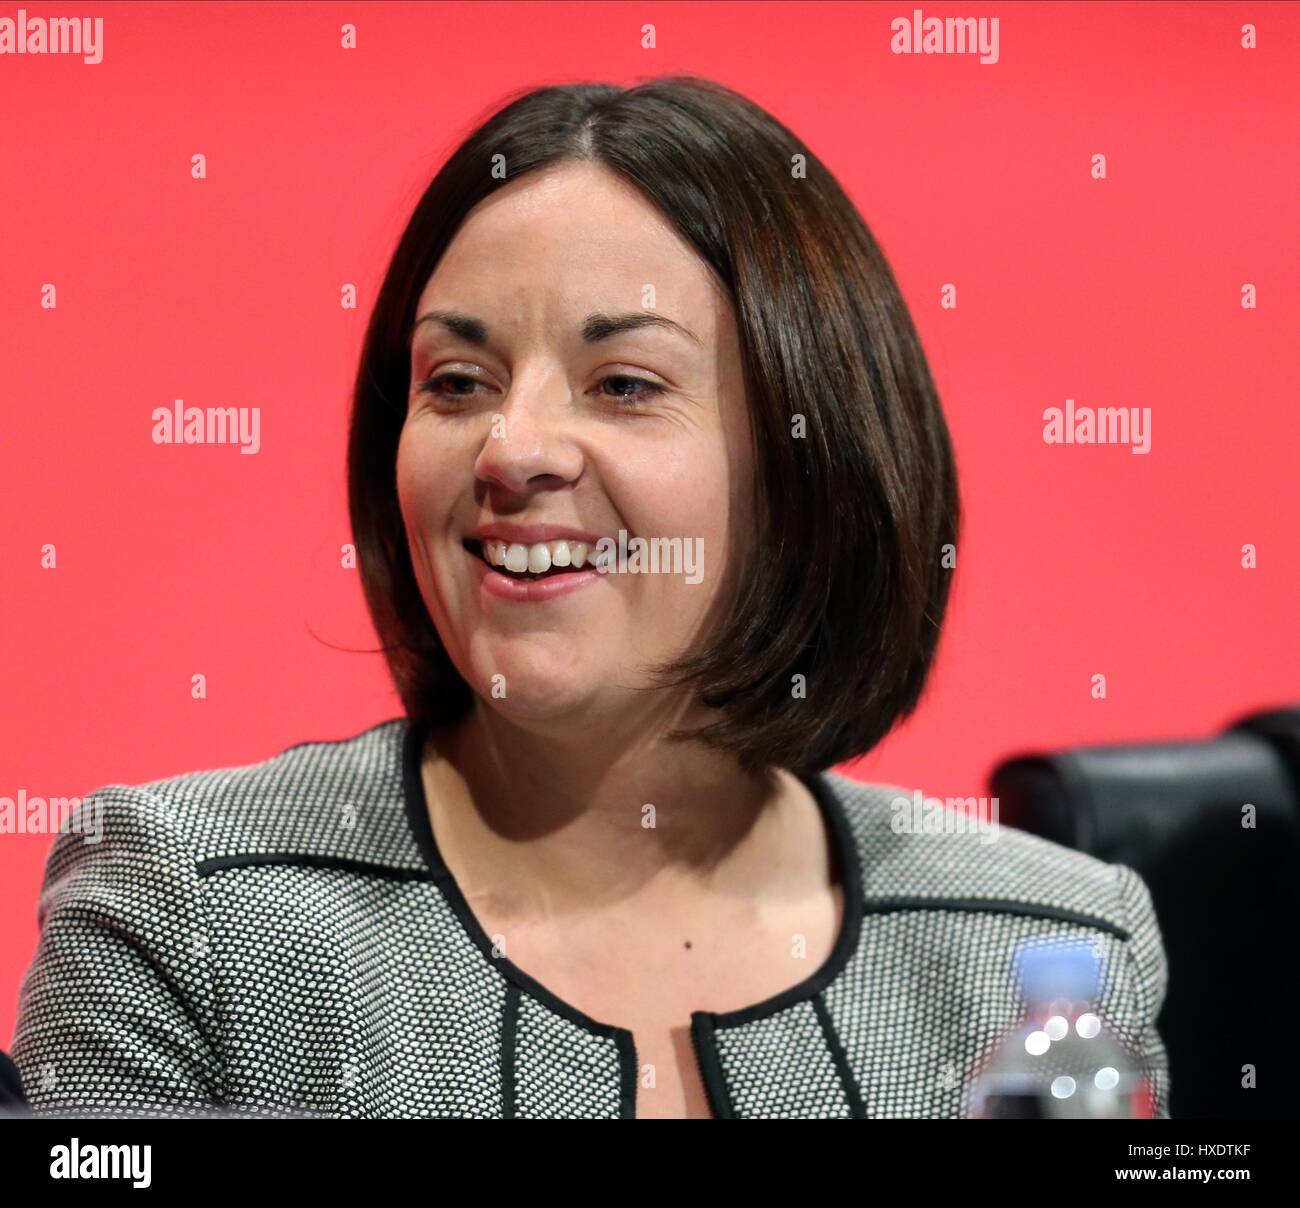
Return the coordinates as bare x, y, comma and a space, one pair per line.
1076, 560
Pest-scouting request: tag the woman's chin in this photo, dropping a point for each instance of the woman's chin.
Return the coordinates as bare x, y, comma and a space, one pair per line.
536, 693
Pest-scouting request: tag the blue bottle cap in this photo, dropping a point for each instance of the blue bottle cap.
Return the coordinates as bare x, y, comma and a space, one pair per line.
1048, 970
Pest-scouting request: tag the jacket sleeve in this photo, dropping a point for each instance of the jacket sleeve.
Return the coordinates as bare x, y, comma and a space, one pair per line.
1147, 975
115, 1014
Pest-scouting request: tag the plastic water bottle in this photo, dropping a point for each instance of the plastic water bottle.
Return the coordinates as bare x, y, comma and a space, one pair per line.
1060, 1062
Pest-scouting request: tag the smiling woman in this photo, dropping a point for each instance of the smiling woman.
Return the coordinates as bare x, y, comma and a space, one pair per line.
603, 324
600, 867
545, 432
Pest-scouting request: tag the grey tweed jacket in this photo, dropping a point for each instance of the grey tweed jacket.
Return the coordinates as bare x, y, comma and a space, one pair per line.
285, 937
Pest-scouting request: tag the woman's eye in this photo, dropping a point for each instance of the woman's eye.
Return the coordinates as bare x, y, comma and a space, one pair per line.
435, 386
648, 390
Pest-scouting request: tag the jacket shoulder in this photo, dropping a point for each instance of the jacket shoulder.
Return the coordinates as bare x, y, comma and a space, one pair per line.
914, 846
340, 799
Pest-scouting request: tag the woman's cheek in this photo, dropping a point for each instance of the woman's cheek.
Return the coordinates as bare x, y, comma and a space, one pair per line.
422, 484
425, 514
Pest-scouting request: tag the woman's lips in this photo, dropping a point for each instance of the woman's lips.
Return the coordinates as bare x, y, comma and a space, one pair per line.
505, 586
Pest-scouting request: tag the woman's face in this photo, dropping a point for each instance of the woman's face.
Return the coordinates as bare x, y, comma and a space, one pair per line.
541, 422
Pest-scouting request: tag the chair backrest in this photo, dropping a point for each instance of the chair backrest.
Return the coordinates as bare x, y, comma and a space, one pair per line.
1214, 829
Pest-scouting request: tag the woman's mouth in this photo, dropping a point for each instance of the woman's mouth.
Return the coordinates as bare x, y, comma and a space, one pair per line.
532, 562
534, 573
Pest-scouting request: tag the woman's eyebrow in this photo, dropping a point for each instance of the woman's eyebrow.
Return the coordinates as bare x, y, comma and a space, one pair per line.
596, 327
601, 327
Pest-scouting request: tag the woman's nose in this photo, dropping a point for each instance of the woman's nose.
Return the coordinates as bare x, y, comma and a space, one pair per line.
530, 441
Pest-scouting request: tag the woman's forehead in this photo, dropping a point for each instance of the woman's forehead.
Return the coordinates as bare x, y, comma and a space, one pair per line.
571, 293
576, 224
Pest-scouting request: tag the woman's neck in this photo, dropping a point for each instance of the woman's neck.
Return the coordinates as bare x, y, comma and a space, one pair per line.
543, 824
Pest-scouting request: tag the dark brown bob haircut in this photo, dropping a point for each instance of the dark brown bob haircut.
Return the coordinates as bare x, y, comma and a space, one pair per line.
857, 505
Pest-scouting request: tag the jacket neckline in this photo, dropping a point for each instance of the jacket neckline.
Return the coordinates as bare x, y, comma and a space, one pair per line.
846, 943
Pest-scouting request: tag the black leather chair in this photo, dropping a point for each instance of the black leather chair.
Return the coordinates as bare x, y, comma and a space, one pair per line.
1226, 895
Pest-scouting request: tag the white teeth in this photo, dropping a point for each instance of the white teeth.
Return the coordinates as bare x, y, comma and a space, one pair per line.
534, 559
